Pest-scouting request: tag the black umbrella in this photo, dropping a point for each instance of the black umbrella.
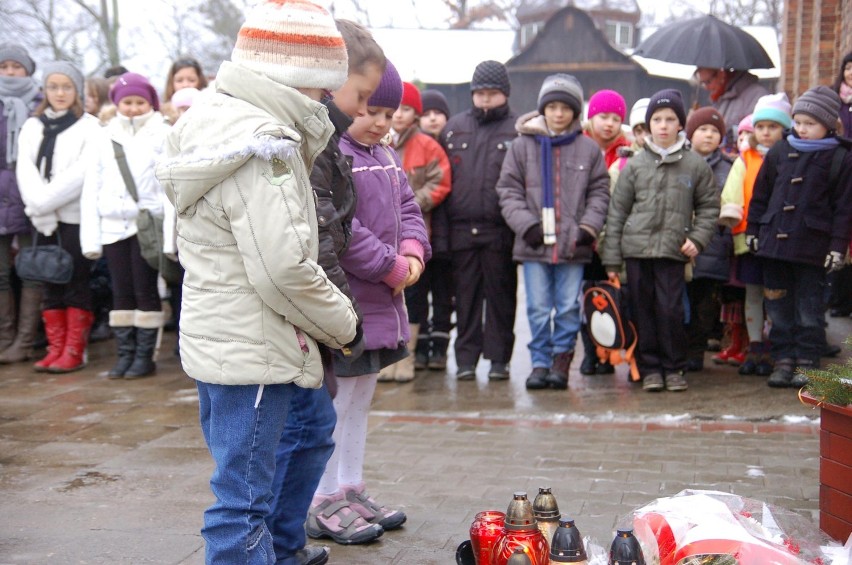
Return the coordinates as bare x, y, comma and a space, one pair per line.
705, 42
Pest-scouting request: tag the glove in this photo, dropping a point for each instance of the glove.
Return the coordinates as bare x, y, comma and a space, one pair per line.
534, 237
584, 238
834, 261
751, 243
355, 348
45, 224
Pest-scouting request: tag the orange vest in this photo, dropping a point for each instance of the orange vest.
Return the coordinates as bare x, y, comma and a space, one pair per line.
753, 160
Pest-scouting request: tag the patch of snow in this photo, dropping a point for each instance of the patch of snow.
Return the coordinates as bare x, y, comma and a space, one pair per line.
754, 471
794, 419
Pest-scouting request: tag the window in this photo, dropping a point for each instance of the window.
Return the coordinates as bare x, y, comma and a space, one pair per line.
529, 31
620, 33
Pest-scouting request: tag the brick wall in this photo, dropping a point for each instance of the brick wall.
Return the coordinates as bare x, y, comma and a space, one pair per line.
817, 34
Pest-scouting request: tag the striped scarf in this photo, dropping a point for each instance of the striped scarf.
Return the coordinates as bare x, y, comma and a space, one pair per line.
548, 211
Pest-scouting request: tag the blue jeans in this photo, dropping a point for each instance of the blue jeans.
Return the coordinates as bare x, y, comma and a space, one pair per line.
552, 289
794, 300
302, 453
242, 426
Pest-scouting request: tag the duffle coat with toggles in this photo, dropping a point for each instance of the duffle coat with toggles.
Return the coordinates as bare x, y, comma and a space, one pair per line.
795, 212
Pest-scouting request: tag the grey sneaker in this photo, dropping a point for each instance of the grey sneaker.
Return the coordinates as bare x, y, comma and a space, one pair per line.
312, 555
332, 517
653, 382
676, 382
372, 511
498, 371
466, 373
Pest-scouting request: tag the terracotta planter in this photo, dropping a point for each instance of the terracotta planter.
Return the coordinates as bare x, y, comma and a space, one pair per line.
835, 468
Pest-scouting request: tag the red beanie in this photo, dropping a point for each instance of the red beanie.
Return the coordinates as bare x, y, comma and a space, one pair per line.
411, 97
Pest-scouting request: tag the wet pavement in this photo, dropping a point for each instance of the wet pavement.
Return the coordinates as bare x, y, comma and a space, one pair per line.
94, 471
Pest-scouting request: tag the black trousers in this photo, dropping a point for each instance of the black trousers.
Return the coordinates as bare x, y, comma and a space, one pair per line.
134, 282
485, 279
437, 279
655, 288
76, 293
705, 306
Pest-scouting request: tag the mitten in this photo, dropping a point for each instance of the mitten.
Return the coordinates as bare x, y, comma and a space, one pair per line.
834, 261
751, 243
45, 224
584, 238
355, 348
534, 237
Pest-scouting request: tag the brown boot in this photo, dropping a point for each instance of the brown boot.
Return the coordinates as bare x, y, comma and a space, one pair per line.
30, 315
7, 319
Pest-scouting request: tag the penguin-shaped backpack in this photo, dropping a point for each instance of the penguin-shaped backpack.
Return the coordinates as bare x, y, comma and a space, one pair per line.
611, 330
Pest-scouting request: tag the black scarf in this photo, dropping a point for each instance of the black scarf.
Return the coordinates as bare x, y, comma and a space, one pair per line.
492, 115
52, 128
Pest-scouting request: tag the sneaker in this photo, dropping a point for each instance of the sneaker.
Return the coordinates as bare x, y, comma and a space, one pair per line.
782, 376
331, 517
466, 373
312, 555
538, 378
498, 371
676, 382
370, 510
653, 382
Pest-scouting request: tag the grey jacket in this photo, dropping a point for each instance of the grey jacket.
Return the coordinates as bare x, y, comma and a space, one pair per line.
581, 192
657, 204
738, 101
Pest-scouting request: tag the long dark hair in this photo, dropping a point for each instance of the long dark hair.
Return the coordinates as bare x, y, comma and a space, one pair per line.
184, 63
846, 60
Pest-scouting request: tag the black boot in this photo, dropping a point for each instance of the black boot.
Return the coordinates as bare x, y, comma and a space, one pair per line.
125, 338
143, 362
558, 376
589, 365
421, 352
439, 341
538, 378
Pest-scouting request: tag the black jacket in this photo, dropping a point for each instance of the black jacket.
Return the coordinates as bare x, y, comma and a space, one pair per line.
795, 212
714, 261
476, 143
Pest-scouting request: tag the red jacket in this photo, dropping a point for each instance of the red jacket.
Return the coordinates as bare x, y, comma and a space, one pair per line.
611, 152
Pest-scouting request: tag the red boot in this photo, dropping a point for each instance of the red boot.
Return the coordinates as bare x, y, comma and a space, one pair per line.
54, 330
79, 322
734, 353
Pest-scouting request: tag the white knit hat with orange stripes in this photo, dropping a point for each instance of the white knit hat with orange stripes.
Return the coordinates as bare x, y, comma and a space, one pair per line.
293, 42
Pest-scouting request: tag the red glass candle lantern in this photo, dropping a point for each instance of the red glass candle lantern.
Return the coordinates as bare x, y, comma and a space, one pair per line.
520, 532
486, 529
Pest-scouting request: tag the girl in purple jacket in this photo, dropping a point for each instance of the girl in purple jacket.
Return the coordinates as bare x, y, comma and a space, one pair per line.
387, 253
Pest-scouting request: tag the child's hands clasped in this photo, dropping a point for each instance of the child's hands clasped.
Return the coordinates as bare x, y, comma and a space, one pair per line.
689, 249
415, 269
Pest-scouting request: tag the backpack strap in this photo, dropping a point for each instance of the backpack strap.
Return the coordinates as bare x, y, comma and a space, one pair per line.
836, 165
121, 159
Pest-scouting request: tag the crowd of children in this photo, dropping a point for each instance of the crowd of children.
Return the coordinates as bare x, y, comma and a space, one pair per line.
331, 217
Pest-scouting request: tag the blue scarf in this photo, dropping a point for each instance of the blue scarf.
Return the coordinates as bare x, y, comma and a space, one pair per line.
548, 212
808, 145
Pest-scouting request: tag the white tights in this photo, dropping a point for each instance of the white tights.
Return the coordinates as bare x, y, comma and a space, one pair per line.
352, 404
754, 311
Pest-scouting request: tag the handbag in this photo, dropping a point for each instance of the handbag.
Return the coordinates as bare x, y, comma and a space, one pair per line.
44, 263
149, 227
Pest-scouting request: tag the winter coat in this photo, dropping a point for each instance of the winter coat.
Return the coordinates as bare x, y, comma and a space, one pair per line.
846, 119
427, 168
107, 210
331, 178
254, 298
476, 145
611, 153
580, 192
387, 224
795, 213
738, 100
60, 196
736, 196
658, 203
714, 261
13, 219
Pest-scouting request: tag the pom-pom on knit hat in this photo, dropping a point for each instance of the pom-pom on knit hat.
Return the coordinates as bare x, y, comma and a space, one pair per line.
607, 101
411, 97
389, 92
667, 98
822, 104
490, 74
14, 52
132, 84
561, 87
745, 124
773, 108
703, 117
184, 97
435, 100
637, 112
69, 70
294, 43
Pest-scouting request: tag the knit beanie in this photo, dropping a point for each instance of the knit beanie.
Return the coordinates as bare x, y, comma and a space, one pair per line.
69, 70
389, 92
822, 104
746, 124
411, 97
184, 97
774, 108
435, 100
637, 112
703, 117
294, 43
607, 101
563, 88
132, 84
666, 98
490, 74
17, 53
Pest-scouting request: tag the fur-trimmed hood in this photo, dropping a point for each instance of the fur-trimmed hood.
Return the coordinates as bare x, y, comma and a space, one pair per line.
533, 123
248, 116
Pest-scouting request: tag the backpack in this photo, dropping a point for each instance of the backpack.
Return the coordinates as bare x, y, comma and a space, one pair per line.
613, 334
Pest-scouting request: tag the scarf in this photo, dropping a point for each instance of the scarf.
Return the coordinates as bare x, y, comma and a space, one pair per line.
808, 145
548, 211
17, 95
492, 115
53, 126
845, 93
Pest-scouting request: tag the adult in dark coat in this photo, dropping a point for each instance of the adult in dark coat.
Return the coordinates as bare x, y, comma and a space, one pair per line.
734, 94
472, 227
840, 282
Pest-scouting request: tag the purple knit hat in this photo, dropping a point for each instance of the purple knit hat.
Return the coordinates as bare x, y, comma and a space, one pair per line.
607, 101
389, 92
132, 84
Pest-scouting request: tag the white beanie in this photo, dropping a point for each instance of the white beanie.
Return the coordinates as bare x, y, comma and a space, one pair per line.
637, 112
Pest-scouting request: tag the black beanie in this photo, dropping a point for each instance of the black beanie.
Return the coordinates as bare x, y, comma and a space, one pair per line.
490, 74
668, 98
435, 100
